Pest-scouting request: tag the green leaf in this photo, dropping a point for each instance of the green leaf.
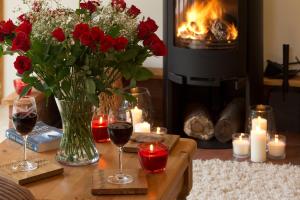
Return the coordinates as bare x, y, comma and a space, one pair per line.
143, 74
132, 83
114, 31
129, 55
90, 86
1, 51
25, 90
71, 60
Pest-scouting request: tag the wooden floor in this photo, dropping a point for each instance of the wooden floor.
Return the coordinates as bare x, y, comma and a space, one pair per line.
292, 152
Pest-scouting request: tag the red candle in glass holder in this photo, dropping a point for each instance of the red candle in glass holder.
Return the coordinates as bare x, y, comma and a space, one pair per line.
153, 157
99, 128
20, 85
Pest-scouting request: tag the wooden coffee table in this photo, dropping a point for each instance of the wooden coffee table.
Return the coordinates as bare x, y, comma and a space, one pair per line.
75, 183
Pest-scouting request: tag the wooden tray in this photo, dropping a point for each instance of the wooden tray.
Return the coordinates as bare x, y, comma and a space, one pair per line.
45, 169
138, 138
101, 186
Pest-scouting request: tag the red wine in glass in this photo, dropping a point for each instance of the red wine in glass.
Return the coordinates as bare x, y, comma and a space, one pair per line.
24, 117
120, 132
24, 122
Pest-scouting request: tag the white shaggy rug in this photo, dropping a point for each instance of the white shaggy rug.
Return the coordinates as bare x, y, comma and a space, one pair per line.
231, 180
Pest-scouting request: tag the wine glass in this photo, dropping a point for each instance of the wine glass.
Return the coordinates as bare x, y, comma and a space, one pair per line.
120, 130
24, 116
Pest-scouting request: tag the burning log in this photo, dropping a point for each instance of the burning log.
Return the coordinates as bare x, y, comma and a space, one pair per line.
198, 123
231, 120
219, 29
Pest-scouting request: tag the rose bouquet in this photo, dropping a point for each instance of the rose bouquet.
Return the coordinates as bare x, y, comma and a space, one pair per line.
76, 55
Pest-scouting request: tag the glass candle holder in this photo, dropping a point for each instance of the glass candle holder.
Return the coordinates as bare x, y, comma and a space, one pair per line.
141, 110
99, 127
159, 130
19, 85
153, 157
241, 145
276, 147
262, 117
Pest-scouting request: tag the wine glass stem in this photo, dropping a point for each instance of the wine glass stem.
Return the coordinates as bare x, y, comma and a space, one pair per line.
120, 160
25, 145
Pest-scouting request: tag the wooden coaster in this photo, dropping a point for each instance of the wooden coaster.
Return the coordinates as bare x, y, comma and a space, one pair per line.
101, 186
137, 138
45, 169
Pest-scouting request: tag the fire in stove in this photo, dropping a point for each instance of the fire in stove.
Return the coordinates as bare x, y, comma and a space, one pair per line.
205, 23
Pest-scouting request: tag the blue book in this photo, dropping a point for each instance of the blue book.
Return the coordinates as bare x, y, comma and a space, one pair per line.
42, 138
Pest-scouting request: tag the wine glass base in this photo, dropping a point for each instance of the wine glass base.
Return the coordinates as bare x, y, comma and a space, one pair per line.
120, 179
25, 166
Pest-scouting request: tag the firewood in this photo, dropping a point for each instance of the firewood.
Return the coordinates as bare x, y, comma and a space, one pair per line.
231, 120
198, 124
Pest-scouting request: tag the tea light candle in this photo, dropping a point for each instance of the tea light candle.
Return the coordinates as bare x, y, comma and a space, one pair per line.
241, 145
259, 122
159, 130
258, 145
143, 127
99, 129
153, 157
276, 147
137, 115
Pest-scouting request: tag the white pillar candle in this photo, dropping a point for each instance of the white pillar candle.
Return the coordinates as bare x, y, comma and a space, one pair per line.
137, 115
276, 147
241, 146
258, 145
143, 127
259, 122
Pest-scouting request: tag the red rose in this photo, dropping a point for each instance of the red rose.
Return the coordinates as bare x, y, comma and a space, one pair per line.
152, 38
7, 27
106, 44
133, 11
22, 64
145, 28
86, 39
120, 43
21, 42
97, 34
58, 34
118, 4
80, 29
25, 27
90, 5
158, 48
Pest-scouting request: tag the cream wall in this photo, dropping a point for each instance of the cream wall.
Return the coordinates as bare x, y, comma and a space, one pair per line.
152, 8
281, 25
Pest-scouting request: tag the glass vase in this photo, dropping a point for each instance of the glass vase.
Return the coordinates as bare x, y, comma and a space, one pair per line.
77, 146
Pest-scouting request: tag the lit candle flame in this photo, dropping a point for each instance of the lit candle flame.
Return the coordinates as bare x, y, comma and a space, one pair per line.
241, 136
158, 130
100, 120
276, 138
151, 148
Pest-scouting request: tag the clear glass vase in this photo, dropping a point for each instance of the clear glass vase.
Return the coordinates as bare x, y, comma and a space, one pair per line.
77, 146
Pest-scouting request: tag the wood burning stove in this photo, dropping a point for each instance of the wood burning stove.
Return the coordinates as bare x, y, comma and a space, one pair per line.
208, 55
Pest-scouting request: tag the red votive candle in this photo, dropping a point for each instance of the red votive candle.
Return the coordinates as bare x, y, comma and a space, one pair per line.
153, 157
99, 128
19, 86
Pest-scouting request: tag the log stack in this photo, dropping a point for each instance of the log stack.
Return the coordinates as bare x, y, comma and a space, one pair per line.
198, 122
